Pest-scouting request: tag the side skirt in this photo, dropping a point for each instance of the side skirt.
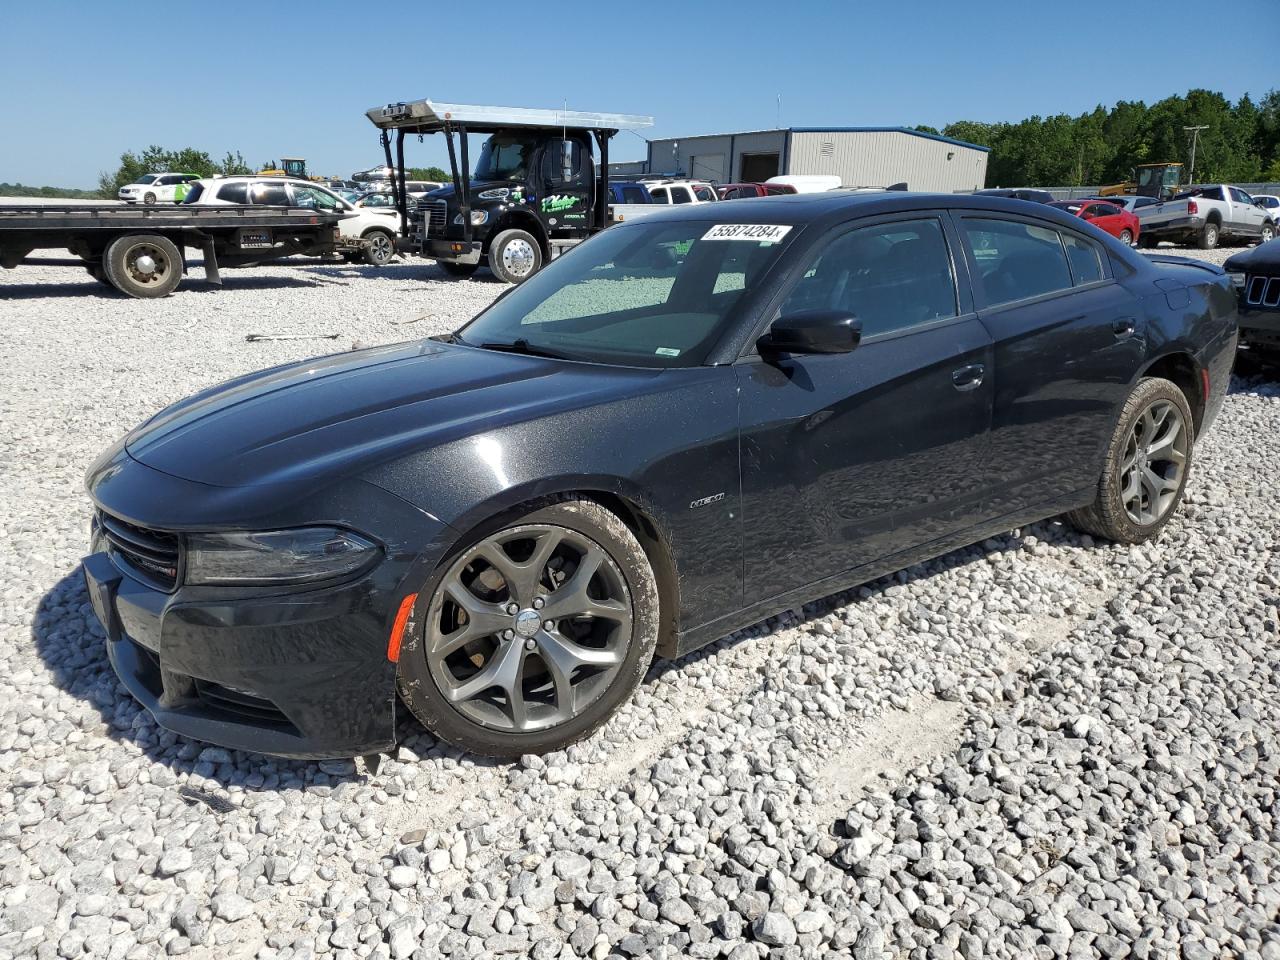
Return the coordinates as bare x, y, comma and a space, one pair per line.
692, 639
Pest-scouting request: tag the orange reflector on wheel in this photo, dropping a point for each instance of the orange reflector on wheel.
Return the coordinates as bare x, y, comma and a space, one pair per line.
397, 629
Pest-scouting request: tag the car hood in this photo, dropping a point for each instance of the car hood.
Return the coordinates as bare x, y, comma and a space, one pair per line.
1265, 258
336, 416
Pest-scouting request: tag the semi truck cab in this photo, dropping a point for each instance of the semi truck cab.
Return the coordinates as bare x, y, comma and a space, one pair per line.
539, 185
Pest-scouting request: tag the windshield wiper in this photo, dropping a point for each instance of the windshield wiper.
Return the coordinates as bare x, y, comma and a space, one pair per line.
521, 345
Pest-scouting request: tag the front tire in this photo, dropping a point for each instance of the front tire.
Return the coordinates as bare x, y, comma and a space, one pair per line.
515, 256
1146, 467
1268, 233
149, 198
1209, 236
533, 633
144, 266
379, 248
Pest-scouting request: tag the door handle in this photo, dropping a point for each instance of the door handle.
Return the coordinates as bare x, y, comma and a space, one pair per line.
970, 377
1123, 328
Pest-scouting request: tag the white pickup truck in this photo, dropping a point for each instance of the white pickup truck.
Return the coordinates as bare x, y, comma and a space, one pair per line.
1205, 216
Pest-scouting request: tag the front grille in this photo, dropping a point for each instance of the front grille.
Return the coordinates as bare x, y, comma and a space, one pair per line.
153, 555
229, 700
1262, 291
435, 216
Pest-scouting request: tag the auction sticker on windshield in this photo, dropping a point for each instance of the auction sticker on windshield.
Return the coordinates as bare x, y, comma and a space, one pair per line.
760, 232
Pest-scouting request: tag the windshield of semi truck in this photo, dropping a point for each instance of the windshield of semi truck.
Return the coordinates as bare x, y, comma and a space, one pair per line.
655, 294
505, 156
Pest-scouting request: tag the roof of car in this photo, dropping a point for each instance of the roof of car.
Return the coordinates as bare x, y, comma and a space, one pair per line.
800, 208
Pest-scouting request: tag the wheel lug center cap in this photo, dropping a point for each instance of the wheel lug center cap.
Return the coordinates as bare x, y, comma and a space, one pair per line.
528, 622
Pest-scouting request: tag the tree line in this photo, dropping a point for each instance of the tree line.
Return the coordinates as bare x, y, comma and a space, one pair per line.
155, 159
1240, 142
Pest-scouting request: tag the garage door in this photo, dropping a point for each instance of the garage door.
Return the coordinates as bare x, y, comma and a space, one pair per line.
758, 167
707, 166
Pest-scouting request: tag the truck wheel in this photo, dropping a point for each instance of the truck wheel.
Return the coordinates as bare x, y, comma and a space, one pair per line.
379, 248
1145, 471
98, 273
1208, 238
514, 256
143, 265
458, 269
1268, 233
533, 633
1126, 237
149, 198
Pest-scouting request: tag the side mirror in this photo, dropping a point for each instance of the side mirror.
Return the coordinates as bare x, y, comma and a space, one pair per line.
812, 331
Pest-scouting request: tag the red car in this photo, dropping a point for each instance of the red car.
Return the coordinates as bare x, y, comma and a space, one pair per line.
1111, 217
735, 191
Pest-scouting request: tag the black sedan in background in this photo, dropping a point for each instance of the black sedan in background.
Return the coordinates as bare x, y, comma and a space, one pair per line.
684, 425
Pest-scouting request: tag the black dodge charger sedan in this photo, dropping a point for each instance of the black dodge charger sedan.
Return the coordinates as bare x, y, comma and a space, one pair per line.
682, 426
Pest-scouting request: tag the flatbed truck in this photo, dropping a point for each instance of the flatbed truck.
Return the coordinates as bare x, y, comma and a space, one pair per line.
140, 250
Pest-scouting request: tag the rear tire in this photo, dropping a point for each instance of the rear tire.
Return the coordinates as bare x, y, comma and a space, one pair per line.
1146, 466
1126, 237
515, 256
458, 269
1209, 237
143, 265
552, 682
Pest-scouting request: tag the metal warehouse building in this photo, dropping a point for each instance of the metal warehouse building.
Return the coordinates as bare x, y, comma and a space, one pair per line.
860, 156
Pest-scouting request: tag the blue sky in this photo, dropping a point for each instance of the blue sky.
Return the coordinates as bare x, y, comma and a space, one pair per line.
85, 81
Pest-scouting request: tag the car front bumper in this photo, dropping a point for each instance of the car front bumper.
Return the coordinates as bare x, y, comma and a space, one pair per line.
295, 673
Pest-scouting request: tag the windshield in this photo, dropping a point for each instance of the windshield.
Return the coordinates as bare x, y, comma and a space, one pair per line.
506, 156
148, 178
643, 294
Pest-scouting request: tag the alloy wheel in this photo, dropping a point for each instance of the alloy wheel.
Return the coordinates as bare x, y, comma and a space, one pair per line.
1155, 458
528, 628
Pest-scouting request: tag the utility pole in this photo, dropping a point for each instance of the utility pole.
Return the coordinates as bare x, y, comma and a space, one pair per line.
1195, 136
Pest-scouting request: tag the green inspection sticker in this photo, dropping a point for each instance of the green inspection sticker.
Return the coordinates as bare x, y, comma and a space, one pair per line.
667, 352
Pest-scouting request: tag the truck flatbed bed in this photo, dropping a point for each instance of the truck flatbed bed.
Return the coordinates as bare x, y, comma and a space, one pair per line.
138, 250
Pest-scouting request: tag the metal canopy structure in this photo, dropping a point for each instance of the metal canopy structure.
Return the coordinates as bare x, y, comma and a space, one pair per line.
426, 116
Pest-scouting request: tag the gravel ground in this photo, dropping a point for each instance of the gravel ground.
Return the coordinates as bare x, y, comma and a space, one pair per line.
1039, 746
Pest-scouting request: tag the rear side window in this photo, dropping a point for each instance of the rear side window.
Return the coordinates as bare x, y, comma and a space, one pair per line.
659, 195
1016, 260
270, 194
890, 276
234, 192
1085, 258
633, 195
681, 195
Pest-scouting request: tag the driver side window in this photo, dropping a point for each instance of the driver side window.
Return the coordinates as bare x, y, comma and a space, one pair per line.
891, 276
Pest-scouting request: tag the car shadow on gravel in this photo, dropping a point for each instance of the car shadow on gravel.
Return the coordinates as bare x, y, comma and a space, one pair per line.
71, 642
196, 285
1052, 532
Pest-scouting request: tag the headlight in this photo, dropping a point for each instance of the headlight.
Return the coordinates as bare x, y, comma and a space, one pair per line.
1237, 280
497, 193
477, 217
276, 556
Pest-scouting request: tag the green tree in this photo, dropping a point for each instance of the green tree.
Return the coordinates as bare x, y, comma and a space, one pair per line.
429, 173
